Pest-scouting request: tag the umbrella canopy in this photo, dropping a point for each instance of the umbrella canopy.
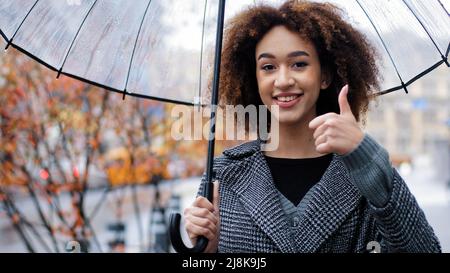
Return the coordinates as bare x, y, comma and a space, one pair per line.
143, 48
412, 36
163, 49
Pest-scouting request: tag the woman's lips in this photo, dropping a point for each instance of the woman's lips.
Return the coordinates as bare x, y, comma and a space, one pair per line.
287, 104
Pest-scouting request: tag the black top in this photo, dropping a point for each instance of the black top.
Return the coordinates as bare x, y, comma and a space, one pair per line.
294, 177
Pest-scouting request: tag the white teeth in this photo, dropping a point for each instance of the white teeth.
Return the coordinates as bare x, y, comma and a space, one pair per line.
287, 99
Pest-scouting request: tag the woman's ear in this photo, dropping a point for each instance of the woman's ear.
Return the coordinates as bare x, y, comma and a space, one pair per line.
325, 79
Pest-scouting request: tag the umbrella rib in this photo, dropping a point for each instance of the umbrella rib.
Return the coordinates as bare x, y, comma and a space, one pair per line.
130, 94
14, 35
444, 58
384, 45
426, 71
4, 35
201, 57
74, 38
442, 5
448, 49
134, 49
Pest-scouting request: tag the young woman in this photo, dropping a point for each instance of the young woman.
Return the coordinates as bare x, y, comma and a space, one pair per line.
329, 187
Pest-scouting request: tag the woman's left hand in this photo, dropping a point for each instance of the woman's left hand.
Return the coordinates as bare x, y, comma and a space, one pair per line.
337, 133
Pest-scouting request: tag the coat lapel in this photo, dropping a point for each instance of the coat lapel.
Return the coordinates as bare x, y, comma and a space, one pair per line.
251, 180
325, 207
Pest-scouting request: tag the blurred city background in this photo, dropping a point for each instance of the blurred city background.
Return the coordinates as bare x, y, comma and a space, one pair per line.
78, 163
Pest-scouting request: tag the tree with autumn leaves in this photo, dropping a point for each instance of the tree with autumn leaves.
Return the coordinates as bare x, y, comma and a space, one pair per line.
56, 134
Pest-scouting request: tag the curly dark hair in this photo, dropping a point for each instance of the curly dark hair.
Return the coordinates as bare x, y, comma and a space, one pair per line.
342, 50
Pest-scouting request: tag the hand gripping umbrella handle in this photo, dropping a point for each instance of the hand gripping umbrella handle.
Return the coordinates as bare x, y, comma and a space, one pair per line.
175, 219
177, 242
175, 236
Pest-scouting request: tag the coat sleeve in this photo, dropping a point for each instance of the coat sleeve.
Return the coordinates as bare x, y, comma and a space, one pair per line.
401, 222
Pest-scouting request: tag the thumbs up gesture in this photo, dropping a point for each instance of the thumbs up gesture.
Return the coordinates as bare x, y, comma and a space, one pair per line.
337, 133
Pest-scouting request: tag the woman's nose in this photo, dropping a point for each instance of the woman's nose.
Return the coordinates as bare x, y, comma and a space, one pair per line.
283, 79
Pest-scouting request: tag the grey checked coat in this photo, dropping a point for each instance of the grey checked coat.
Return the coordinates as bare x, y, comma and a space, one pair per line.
337, 217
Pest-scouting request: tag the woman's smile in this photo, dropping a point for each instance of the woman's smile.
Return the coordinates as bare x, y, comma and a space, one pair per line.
287, 100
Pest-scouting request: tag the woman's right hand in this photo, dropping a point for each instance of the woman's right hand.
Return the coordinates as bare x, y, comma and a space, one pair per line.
202, 219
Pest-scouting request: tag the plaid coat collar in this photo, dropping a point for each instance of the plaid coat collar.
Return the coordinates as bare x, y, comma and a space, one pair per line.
326, 205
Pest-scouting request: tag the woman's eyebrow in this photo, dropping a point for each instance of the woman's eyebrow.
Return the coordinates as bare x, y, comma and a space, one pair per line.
290, 55
298, 54
266, 55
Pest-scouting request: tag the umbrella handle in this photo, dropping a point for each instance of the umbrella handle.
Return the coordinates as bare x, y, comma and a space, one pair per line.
177, 241
175, 220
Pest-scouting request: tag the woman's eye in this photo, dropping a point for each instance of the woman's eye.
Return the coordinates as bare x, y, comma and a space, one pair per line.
268, 67
300, 64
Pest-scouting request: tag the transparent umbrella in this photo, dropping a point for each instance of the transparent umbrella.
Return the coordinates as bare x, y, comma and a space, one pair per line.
163, 50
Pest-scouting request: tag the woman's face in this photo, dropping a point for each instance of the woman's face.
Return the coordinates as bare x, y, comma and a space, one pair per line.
289, 75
